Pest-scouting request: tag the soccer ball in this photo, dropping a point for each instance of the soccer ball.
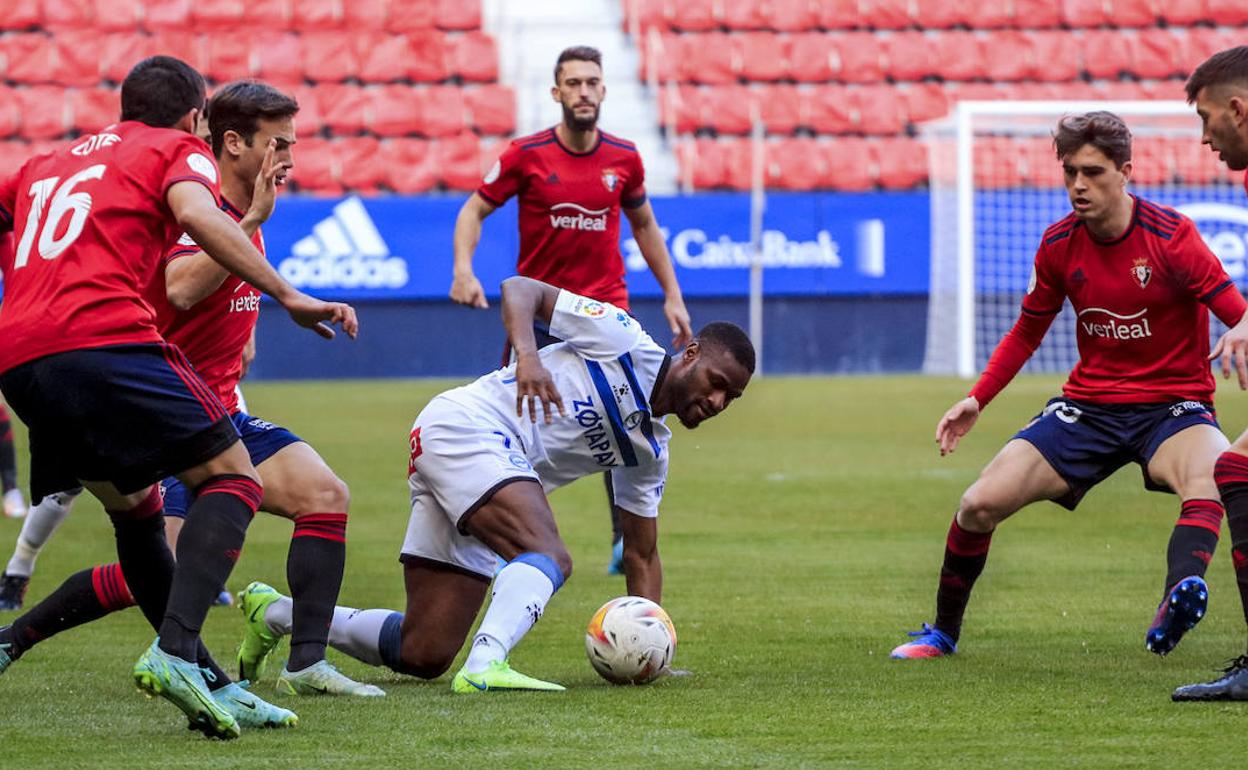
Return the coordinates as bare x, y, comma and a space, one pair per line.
630, 640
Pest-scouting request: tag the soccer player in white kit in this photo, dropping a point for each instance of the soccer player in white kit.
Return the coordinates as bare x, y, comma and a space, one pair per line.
483, 457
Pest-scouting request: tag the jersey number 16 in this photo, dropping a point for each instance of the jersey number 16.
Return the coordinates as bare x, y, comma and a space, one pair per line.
58, 202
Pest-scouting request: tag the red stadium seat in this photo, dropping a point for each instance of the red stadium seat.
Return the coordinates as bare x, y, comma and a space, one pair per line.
473, 57
760, 56
1085, 13
45, 111
1151, 160
744, 15
1107, 54
726, 109
366, 15
811, 56
10, 123
910, 56
861, 58
849, 164
362, 168
68, 14
1008, 55
27, 55
317, 15
344, 108
1078, 90
491, 109
166, 14
459, 161
831, 110
186, 46
998, 163
218, 15
901, 163
925, 101
409, 165
1056, 56
1184, 13
269, 15
692, 15
706, 58
795, 15
1203, 42
961, 56
118, 52
395, 110
459, 14
886, 14
21, 14
278, 57
1120, 90
1134, 13
780, 107
680, 108
795, 164
317, 167
1229, 13
429, 63
1159, 53
700, 163
881, 111
446, 113
76, 62
309, 120
13, 154
91, 109
329, 57
738, 168
416, 17
383, 58
942, 14
1037, 163
648, 14
839, 14
1035, 14
229, 57
116, 15
1194, 163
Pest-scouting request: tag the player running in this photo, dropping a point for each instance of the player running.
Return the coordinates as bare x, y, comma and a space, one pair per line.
211, 316
1219, 88
571, 182
92, 224
1142, 283
480, 471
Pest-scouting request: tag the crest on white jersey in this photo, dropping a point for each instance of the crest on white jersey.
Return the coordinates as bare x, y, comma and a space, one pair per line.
201, 165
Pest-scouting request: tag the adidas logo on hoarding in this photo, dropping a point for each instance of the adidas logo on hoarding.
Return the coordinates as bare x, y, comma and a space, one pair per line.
344, 251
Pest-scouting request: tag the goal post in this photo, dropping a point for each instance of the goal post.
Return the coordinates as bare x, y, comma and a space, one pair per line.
996, 185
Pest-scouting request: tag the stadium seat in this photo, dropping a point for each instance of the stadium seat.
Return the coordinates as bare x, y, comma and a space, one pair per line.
269, 15
886, 14
229, 57
309, 120
117, 53
960, 55
1135, 13
317, 15
1033, 14
416, 18
942, 14
726, 109
647, 14
880, 111
383, 58
429, 63
1076, 90
187, 46
849, 165
706, 58
910, 56
780, 107
795, 15
114, 15
445, 111
1037, 164
459, 161
831, 110
27, 55
1056, 56
839, 14
900, 162
738, 160
1120, 90
491, 108
700, 163
692, 15
317, 167
21, 15
795, 164
1159, 53
1229, 13
760, 56
329, 57
1079, 14
166, 14
924, 101
409, 165
680, 108
812, 56
278, 57
473, 57
91, 109
1107, 54
861, 58
13, 153
44, 110
68, 14
1184, 13
10, 122
458, 14
998, 163
75, 62
394, 110
362, 168
218, 15
742, 15
366, 15
344, 108
1151, 160
1203, 42
1008, 55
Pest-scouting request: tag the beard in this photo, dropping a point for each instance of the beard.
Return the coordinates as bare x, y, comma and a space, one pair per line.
579, 124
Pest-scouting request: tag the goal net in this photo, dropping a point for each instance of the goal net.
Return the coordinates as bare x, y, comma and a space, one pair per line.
996, 185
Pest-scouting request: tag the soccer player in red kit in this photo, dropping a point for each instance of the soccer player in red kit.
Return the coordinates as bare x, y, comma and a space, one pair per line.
1219, 89
572, 181
1142, 283
92, 224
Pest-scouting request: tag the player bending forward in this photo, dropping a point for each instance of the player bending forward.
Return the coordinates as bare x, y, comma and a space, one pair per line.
1142, 283
480, 471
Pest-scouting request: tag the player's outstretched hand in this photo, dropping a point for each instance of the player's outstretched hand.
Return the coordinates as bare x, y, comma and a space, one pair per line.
533, 381
466, 290
956, 423
1232, 348
312, 313
678, 319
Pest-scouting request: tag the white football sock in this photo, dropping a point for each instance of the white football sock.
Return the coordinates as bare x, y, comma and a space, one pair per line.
521, 592
355, 632
41, 521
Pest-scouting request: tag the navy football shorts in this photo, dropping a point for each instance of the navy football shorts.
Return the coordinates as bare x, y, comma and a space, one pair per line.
262, 439
1085, 443
127, 414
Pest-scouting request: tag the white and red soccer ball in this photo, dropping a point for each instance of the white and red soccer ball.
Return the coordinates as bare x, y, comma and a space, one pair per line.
630, 640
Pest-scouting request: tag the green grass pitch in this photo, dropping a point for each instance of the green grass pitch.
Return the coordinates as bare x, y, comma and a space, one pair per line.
801, 536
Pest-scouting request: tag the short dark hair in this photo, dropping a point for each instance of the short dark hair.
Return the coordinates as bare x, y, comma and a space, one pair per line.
1103, 130
159, 90
730, 338
239, 106
1223, 67
578, 53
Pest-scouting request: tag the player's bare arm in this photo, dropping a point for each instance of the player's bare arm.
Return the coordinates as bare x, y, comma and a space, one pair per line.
654, 250
525, 301
956, 423
643, 571
1232, 349
465, 288
197, 213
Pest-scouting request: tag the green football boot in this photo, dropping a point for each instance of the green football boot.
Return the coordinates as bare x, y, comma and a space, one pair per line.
321, 678
181, 683
499, 676
251, 711
258, 640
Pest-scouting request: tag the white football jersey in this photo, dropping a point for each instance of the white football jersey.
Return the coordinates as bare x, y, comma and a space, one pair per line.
605, 369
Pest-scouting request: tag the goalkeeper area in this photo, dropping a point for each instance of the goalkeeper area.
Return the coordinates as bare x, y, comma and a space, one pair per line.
802, 535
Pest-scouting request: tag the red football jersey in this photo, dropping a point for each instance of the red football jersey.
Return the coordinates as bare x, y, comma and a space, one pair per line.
570, 209
214, 331
1142, 306
91, 225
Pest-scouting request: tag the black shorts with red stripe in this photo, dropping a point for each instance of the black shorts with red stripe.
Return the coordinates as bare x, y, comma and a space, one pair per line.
127, 414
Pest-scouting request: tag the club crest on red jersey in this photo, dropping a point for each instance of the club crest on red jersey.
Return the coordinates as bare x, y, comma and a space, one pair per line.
610, 179
1141, 272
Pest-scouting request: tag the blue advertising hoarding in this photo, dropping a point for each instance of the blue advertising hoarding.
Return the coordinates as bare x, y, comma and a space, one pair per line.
399, 248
